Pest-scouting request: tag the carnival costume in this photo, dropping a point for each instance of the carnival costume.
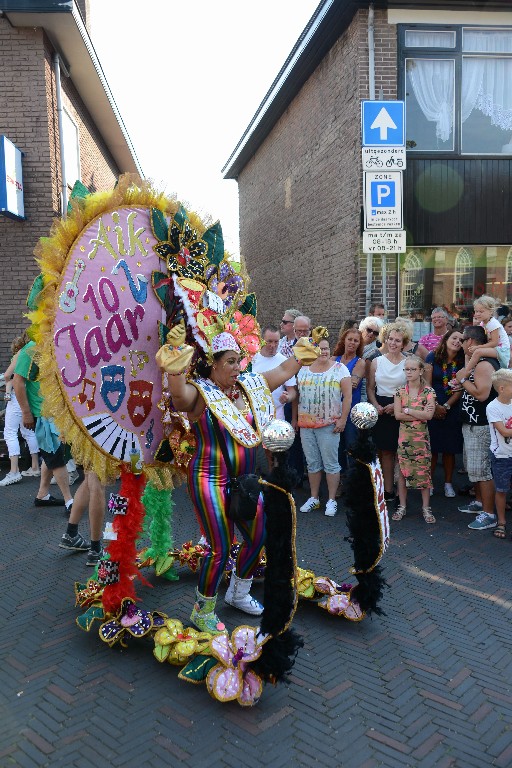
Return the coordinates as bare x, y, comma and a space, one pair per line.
209, 478
134, 293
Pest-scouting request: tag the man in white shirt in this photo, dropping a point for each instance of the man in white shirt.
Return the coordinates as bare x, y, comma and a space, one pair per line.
269, 358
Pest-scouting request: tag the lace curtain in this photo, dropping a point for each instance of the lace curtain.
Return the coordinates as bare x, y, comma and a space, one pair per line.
486, 82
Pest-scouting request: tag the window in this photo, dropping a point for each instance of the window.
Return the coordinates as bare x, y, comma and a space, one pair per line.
457, 85
71, 149
412, 283
464, 278
453, 277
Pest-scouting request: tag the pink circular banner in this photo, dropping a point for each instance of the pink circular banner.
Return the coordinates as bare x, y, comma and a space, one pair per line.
106, 334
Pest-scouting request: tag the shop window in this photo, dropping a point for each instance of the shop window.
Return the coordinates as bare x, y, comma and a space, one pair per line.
457, 85
412, 283
453, 277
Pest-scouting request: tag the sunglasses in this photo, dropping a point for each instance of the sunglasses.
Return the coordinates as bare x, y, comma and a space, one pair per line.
286, 322
372, 330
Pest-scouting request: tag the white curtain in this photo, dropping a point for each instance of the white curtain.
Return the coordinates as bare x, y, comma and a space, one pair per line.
487, 86
486, 82
432, 81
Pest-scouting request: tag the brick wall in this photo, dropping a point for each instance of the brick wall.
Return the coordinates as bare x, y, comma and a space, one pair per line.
28, 113
301, 193
24, 121
97, 166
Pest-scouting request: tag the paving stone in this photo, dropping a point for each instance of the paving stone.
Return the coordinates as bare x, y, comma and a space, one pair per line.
432, 677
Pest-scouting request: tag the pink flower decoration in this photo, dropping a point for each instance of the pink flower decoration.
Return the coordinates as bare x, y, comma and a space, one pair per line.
338, 601
232, 678
245, 331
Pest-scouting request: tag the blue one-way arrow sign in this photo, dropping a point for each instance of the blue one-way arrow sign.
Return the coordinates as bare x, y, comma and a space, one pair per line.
383, 123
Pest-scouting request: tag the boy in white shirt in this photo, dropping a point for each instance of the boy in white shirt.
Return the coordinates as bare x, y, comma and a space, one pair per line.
499, 416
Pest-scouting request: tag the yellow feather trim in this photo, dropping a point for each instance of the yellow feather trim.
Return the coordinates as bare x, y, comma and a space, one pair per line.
51, 254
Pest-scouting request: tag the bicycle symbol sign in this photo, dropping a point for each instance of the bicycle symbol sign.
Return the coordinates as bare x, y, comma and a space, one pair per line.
384, 158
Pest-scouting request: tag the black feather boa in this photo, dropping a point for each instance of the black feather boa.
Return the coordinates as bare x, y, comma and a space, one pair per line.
363, 525
279, 652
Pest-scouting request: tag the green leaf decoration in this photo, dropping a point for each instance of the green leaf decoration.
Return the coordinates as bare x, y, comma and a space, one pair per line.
36, 288
309, 592
161, 652
180, 217
159, 225
79, 190
86, 620
197, 669
249, 306
163, 563
160, 287
215, 241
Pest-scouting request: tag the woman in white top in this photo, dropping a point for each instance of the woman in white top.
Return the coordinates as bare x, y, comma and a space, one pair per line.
325, 396
386, 376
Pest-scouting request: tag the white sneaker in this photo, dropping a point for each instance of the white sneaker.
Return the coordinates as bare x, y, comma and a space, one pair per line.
310, 505
31, 472
449, 491
73, 477
11, 478
331, 508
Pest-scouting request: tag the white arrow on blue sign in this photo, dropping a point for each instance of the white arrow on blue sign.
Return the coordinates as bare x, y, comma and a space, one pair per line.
383, 123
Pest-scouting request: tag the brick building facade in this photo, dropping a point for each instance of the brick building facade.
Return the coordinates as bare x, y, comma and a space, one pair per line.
298, 167
30, 36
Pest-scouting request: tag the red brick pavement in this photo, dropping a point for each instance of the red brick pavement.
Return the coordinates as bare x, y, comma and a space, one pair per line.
429, 684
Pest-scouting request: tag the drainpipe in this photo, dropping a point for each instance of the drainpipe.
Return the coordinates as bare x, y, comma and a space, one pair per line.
371, 53
371, 93
64, 186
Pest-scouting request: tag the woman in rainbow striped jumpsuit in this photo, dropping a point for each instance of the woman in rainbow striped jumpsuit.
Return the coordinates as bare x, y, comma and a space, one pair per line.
242, 405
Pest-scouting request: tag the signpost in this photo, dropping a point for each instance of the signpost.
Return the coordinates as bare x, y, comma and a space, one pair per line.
383, 160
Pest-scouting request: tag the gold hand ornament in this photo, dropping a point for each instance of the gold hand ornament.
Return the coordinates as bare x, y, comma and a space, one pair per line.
175, 356
305, 352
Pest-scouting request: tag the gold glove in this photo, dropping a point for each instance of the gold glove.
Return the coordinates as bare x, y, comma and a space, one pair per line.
176, 336
305, 352
175, 356
319, 333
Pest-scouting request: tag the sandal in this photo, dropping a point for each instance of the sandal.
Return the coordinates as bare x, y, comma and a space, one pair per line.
427, 515
500, 532
400, 512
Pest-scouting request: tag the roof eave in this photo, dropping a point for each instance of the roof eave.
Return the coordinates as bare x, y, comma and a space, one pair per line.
65, 29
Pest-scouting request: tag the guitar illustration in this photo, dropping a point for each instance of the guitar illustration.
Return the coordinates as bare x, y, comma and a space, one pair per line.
67, 299
139, 291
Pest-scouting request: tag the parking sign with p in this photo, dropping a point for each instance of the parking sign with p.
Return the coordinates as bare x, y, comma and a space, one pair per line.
383, 200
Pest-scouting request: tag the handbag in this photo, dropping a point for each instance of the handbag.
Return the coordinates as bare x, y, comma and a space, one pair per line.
243, 491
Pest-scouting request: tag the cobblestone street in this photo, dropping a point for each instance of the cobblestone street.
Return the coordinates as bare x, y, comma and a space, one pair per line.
428, 684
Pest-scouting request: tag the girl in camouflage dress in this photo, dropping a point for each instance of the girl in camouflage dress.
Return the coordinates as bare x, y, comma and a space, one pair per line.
414, 406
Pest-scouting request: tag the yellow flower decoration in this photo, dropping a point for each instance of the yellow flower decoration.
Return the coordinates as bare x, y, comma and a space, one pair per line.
176, 644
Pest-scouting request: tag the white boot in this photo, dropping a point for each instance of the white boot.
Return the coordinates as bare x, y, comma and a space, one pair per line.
238, 596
